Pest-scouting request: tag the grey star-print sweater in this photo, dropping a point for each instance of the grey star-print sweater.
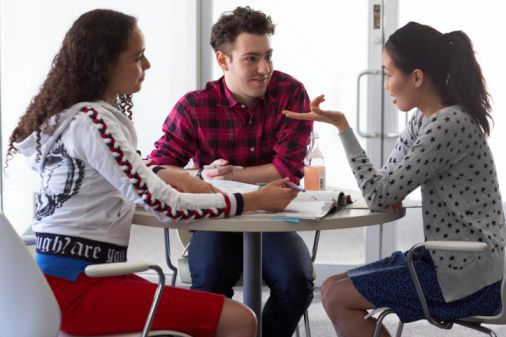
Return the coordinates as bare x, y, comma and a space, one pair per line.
448, 156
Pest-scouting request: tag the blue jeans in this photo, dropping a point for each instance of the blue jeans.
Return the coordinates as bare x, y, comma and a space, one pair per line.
215, 260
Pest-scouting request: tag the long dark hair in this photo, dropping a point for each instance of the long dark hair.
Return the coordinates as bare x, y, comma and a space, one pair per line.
449, 61
79, 72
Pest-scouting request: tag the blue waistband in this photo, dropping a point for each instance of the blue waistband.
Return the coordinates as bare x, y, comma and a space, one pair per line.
60, 266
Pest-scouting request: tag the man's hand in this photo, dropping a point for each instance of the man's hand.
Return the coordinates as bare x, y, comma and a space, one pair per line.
218, 169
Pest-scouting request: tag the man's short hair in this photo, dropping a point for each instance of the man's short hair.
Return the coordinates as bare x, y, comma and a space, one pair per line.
241, 20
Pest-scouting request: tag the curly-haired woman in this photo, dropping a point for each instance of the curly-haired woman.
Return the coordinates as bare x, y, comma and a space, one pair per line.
78, 136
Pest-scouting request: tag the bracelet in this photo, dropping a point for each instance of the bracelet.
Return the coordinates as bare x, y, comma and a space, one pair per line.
157, 168
199, 173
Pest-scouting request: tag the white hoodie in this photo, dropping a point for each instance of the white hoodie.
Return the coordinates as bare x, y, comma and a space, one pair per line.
92, 177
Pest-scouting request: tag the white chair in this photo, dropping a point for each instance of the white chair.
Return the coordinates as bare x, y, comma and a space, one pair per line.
28, 307
473, 322
183, 268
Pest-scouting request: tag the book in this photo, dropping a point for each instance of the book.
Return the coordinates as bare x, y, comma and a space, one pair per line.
230, 186
312, 205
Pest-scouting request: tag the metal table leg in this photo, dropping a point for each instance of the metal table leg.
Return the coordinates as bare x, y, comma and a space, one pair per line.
252, 274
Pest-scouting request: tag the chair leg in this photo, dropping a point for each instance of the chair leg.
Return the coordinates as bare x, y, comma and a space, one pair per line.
399, 329
316, 241
379, 322
167, 257
306, 324
477, 327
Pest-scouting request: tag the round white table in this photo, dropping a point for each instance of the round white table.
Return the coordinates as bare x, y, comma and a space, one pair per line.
252, 226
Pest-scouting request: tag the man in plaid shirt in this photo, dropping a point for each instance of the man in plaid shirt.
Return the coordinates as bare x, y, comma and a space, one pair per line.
237, 121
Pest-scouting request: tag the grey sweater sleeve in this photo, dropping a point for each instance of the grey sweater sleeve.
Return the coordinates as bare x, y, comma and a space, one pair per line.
434, 149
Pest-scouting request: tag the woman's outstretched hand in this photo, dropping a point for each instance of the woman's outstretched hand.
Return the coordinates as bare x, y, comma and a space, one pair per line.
335, 118
272, 197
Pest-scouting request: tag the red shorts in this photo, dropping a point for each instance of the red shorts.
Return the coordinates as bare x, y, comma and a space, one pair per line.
109, 305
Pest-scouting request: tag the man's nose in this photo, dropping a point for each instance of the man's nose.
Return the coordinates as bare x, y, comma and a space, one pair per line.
264, 67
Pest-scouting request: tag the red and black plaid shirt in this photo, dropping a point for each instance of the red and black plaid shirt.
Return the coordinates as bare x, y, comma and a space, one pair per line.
209, 124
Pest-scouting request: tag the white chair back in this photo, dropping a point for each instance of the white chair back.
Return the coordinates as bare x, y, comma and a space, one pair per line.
27, 305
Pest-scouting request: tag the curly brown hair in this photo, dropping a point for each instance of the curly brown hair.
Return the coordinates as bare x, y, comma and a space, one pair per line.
79, 72
242, 20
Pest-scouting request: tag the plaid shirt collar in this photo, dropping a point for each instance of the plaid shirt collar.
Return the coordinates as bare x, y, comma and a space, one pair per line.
227, 99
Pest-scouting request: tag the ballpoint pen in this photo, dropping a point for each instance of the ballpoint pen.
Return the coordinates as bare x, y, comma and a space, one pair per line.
216, 166
294, 187
287, 185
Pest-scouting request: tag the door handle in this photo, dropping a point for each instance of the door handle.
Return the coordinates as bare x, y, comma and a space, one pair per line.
396, 135
360, 132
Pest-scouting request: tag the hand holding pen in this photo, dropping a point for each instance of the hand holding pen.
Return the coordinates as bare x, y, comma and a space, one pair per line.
294, 187
289, 185
219, 169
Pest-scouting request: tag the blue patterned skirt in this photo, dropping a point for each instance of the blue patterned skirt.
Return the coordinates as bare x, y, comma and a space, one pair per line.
388, 283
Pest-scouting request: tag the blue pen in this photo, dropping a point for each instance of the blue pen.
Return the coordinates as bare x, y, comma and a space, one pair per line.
294, 220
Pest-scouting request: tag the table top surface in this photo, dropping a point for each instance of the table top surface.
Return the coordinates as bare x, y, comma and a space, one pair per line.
345, 218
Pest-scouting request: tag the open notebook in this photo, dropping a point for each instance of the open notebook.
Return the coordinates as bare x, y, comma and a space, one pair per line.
313, 205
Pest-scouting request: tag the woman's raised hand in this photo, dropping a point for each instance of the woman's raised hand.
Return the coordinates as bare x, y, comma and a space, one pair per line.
335, 118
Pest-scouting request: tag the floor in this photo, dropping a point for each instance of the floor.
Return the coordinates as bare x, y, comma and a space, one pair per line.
321, 326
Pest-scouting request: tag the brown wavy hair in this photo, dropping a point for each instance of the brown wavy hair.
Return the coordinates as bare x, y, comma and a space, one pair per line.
241, 20
79, 72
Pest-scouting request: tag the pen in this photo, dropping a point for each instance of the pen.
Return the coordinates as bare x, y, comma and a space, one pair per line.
294, 187
293, 220
216, 166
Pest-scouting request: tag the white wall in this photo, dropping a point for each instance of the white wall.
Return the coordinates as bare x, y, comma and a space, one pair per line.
322, 43
31, 34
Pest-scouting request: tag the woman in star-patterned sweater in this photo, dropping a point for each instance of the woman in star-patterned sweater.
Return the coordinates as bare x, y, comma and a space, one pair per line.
444, 150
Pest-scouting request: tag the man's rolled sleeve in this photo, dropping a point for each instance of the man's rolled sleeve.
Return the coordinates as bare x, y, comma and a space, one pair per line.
178, 142
293, 138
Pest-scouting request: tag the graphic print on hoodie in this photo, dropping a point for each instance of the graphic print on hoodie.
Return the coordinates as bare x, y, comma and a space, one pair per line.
58, 166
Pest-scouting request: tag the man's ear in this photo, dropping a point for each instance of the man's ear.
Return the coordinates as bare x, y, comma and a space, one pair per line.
417, 76
222, 60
